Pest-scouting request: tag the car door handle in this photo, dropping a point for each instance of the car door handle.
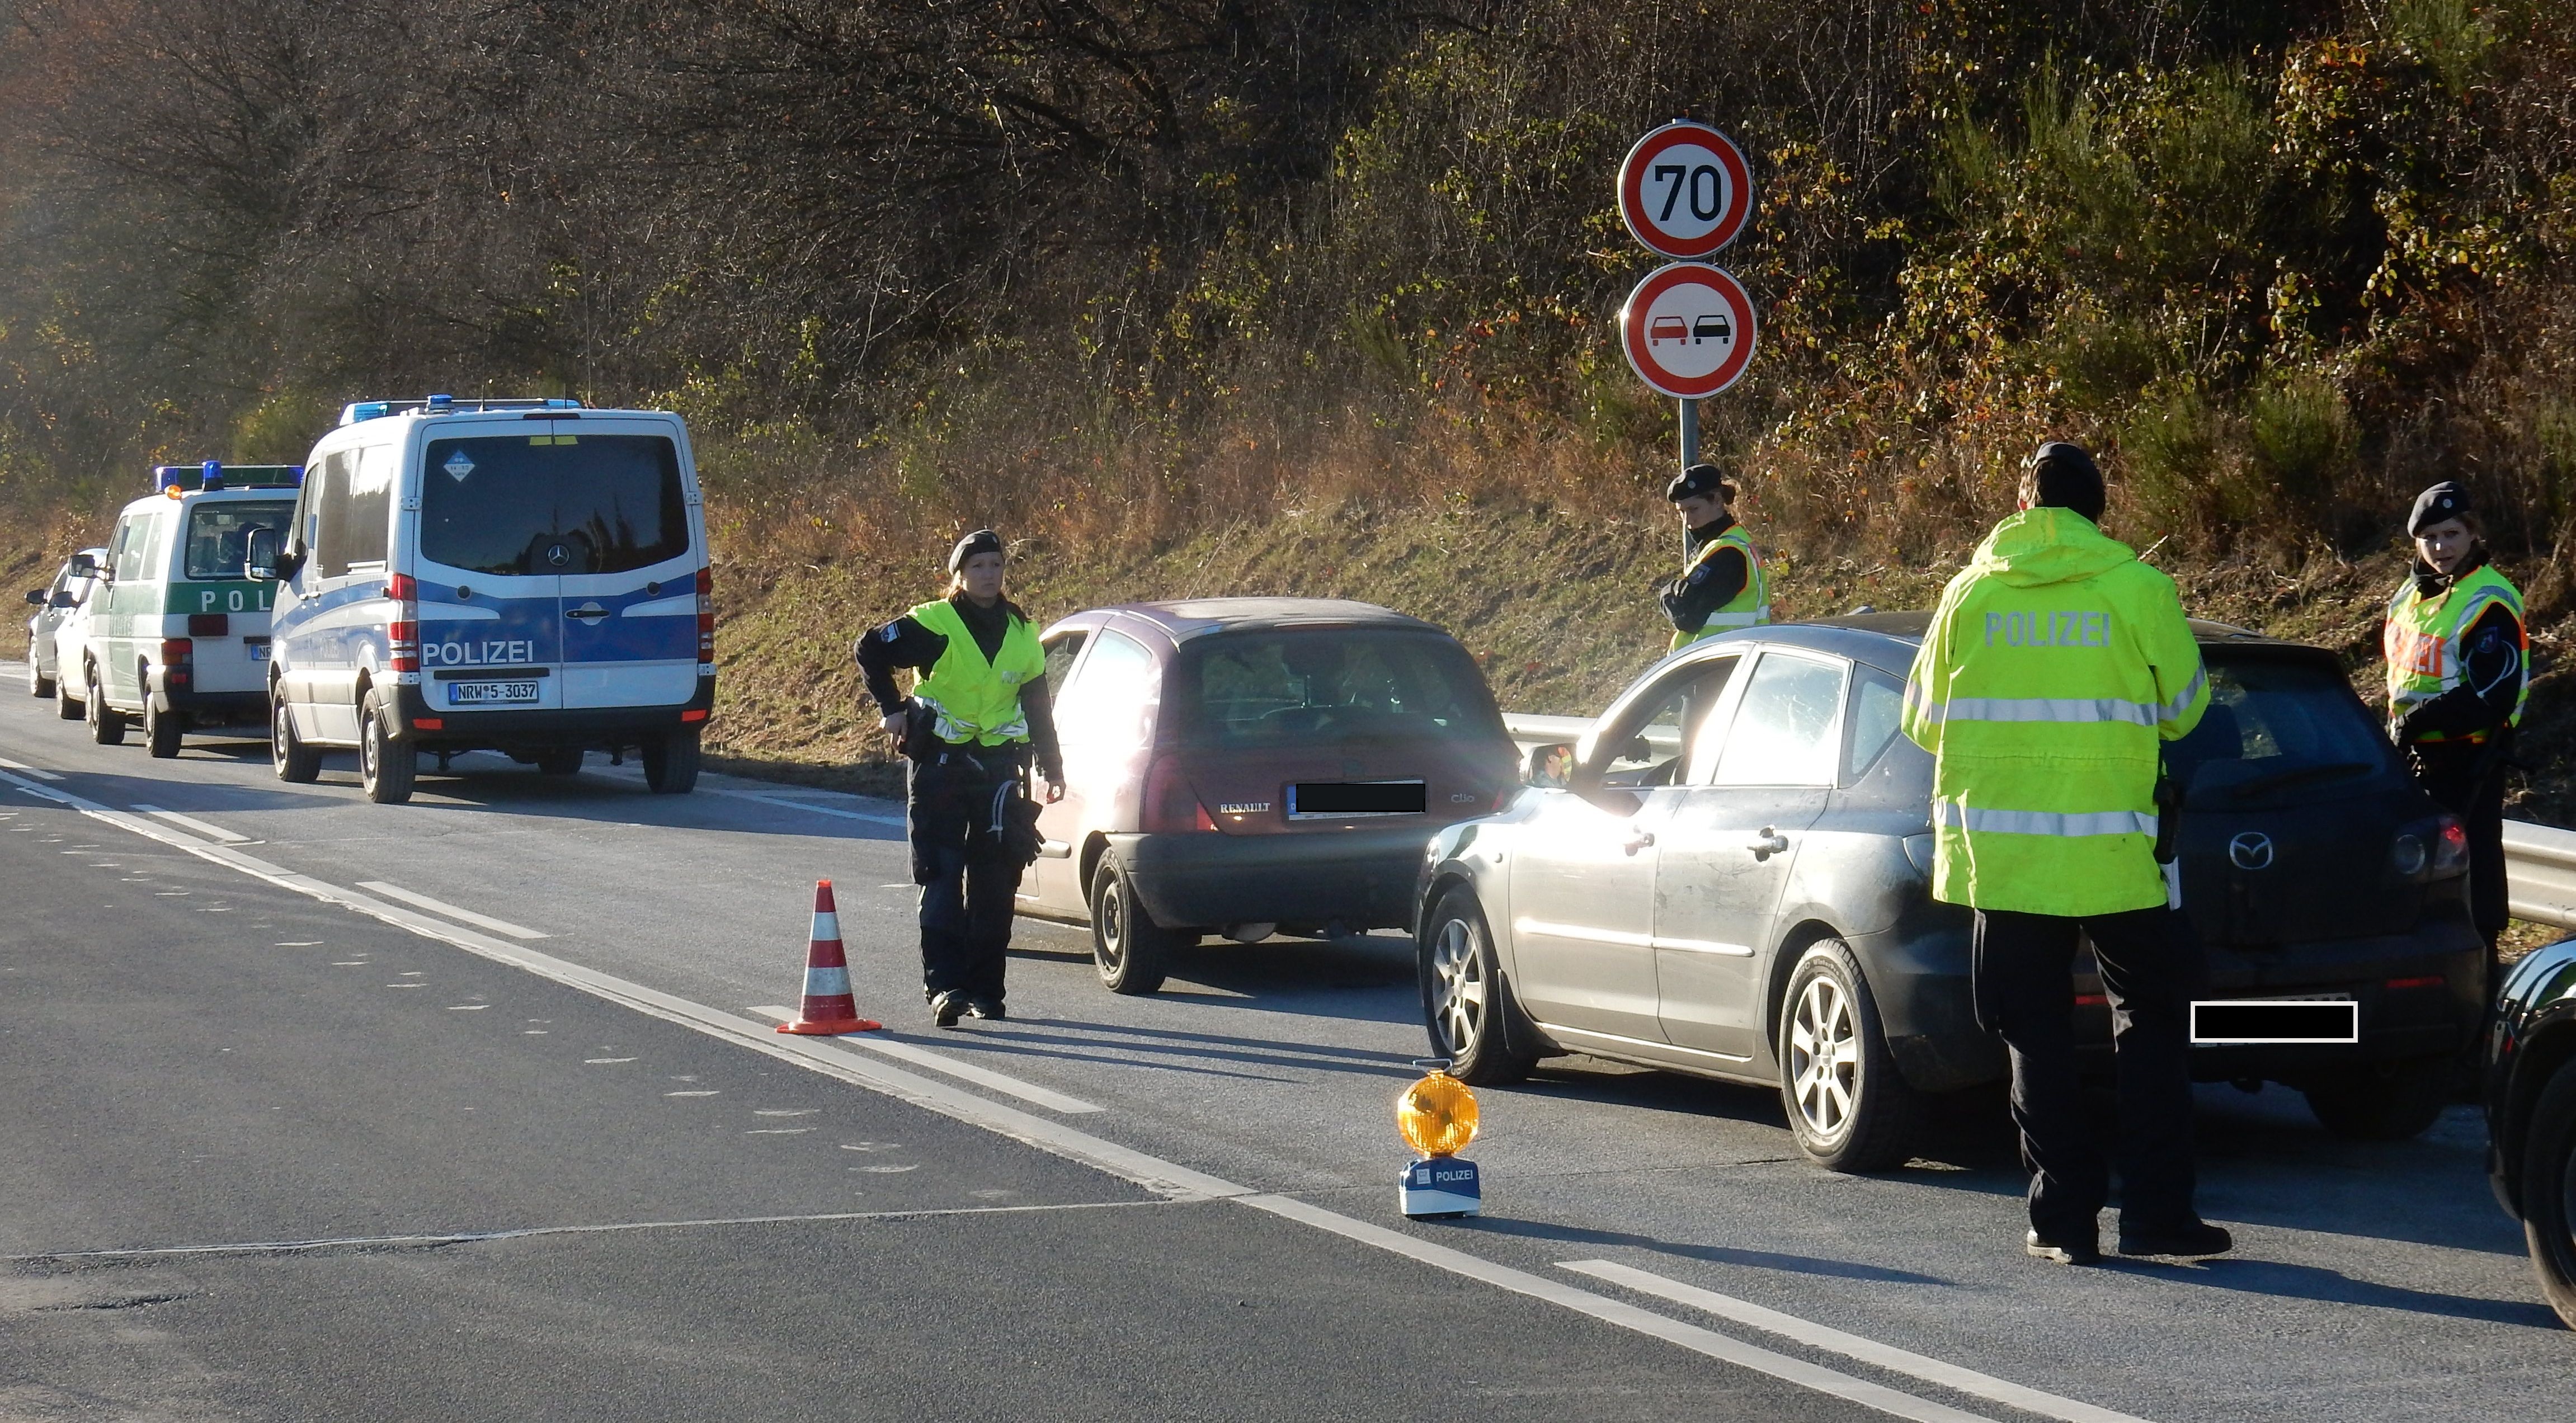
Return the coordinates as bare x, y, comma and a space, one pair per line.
587, 612
1638, 840
1771, 843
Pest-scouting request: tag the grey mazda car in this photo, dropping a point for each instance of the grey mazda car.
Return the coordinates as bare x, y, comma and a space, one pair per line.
1730, 875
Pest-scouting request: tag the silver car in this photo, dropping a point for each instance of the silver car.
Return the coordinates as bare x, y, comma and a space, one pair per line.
56, 605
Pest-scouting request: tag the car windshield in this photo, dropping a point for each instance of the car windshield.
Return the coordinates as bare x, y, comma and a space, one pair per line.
547, 503
2273, 723
219, 534
1319, 686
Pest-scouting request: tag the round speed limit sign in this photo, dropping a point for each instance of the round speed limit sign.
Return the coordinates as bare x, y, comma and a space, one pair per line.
1685, 190
1688, 329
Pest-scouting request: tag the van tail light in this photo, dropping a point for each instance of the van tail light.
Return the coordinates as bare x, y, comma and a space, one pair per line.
402, 635
706, 616
178, 661
1171, 805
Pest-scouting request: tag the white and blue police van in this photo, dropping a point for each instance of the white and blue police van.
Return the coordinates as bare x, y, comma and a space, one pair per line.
522, 576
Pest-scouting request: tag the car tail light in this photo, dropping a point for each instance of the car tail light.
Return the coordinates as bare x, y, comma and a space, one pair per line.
1171, 805
2451, 848
2092, 1000
210, 625
706, 616
2430, 980
429, 723
402, 635
694, 714
2436, 848
178, 661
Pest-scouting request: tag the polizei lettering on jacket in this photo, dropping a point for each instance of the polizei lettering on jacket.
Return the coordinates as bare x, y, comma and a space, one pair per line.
504, 653
2081, 629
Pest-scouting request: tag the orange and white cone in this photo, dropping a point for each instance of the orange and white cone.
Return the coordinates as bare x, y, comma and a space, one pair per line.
828, 1006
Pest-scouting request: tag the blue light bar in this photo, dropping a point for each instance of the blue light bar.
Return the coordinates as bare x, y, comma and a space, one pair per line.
444, 404
211, 475
365, 410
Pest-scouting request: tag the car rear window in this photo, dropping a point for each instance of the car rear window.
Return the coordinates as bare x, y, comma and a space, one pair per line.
502, 504
219, 534
1312, 687
2272, 716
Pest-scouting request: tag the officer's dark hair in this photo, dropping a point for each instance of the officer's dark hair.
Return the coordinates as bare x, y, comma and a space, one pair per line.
2063, 476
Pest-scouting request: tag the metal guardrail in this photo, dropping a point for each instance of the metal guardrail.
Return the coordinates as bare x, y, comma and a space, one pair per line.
2539, 860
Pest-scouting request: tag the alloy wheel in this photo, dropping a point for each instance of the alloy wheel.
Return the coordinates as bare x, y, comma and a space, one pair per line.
1824, 1057
1458, 993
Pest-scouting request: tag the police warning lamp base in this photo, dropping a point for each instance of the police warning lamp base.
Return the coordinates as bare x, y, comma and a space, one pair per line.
1442, 1188
827, 1008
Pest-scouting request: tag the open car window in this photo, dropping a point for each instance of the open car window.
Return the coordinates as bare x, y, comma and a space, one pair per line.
1655, 737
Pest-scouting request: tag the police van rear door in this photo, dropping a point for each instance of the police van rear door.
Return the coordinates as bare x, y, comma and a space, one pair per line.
624, 515
488, 568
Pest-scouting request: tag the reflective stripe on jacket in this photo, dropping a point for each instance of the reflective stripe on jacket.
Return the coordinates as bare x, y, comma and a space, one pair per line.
1750, 607
2054, 666
970, 699
2421, 641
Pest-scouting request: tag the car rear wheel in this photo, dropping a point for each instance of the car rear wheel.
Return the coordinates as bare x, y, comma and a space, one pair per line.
1131, 951
293, 761
1465, 1003
386, 767
38, 684
2382, 1101
670, 762
67, 706
106, 723
161, 730
1849, 1110
559, 763
2549, 1191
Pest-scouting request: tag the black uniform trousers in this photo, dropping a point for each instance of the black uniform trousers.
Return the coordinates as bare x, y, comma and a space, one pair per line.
968, 875
2468, 781
2025, 993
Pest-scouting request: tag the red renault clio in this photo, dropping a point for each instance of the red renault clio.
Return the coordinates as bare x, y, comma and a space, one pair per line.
1253, 766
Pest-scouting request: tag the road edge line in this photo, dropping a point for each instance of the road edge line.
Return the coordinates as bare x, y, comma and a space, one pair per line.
982, 1076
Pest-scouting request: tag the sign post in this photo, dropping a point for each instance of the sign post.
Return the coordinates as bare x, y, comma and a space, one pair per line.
1685, 191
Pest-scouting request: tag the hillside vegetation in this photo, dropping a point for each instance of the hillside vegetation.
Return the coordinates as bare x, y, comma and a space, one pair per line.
1319, 295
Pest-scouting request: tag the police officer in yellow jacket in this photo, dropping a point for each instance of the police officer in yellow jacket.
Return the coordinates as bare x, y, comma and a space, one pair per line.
2459, 671
969, 730
1721, 586
2053, 669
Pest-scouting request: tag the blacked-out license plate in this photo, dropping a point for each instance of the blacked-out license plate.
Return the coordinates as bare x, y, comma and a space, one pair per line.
2245, 1022
1308, 800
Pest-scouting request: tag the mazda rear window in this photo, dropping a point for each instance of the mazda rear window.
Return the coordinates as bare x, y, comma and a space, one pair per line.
1313, 687
2275, 721
549, 504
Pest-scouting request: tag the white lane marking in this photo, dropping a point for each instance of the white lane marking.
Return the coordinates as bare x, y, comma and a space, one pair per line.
526, 1232
871, 817
588, 1060
1165, 1178
1048, 1098
1868, 1351
190, 822
702, 1092
30, 770
463, 916
1618, 1312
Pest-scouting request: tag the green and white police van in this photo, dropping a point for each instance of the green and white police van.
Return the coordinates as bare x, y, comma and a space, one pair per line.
178, 636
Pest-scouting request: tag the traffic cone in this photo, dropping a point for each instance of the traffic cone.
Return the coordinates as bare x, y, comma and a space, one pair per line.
828, 1007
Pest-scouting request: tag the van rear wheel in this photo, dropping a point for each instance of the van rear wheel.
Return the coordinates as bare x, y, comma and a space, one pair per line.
161, 730
670, 763
386, 767
293, 761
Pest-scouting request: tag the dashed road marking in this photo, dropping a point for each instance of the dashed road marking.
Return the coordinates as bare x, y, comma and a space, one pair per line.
871, 817
27, 770
462, 916
188, 822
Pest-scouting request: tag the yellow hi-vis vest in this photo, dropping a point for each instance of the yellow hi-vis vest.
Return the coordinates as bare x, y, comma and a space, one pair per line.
2053, 667
972, 700
2422, 642
1750, 607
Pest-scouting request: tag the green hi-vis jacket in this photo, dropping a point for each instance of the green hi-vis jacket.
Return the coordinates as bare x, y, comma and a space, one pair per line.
971, 700
2422, 641
1750, 607
2052, 668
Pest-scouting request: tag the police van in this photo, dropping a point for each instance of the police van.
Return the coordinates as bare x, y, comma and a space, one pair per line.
176, 632
523, 576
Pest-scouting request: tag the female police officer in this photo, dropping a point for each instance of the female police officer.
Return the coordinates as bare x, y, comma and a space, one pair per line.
2459, 666
978, 712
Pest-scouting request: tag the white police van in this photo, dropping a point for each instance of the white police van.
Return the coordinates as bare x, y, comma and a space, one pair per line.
176, 632
526, 576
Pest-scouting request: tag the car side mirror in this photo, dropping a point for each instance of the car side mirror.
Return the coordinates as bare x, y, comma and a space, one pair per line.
84, 566
261, 557
1550, 767
37, 597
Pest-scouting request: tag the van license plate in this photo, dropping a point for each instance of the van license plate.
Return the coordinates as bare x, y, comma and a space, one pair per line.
258, 651
465, 694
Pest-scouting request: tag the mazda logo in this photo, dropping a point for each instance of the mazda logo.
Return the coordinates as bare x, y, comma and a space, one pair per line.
2251, 850
558, 555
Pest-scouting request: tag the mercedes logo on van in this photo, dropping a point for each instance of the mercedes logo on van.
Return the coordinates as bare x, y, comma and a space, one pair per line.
2251, 850
558, 555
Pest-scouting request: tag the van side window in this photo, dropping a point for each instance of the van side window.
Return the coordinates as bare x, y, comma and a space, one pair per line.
351, 507
125, 551
326, 486
155, 541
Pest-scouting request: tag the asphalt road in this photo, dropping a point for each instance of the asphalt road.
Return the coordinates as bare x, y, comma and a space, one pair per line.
2370, 1281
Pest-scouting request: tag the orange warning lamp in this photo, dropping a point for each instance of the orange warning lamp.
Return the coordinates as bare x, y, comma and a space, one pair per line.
1436, 1115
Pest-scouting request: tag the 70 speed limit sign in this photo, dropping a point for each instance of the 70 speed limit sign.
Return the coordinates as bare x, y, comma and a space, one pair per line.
1685, 190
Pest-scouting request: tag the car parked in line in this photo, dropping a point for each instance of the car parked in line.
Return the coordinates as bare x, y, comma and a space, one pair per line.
55, 605
1251, 766
1735, 882
176, 637
2530, 1089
